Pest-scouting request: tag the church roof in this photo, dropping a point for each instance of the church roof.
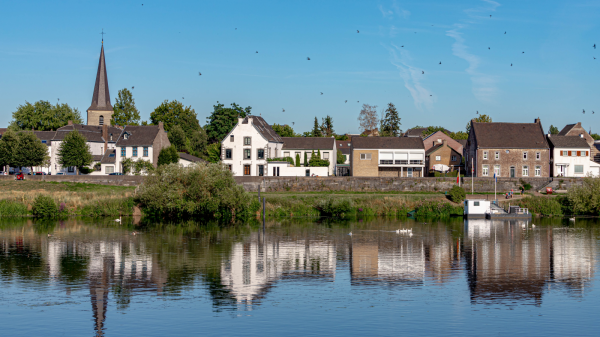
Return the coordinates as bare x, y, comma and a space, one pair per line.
101, 97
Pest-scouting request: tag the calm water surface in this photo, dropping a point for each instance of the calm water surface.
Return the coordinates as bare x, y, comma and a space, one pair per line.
300, 278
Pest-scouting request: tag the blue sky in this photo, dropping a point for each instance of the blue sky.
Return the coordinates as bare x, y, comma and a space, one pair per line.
50, 50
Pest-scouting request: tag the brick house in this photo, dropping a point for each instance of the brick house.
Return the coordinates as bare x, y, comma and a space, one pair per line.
387, 157
443, 154
508, 149
579, 131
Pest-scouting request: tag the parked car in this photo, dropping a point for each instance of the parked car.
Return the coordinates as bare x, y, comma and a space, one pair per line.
115, 174
20, 176
40, 173
60, 174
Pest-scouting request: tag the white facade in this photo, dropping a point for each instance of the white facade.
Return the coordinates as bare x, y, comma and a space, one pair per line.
573, 162
284, 169
134, 153
245, 150
96, 148
329, 154
477, 208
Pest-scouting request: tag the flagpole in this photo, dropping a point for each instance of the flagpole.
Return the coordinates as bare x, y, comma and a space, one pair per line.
495, 182
472, 170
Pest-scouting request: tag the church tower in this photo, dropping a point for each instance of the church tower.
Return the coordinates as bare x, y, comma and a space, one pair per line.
100, 112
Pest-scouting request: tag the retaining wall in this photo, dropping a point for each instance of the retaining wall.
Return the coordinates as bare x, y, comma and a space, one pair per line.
87, 179
371, 184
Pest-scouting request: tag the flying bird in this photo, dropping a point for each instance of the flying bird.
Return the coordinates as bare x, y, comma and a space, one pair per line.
346, 101
594, 57
430, 95
308, 58
236, 29
440, 62
282, 110
594, 46
523, 53
133, 87
357, 101
257, 51
182, 97
402, 46
584, 111
489, 48
357, 31
478, 112
504, 33
490, 15
199, 74
593, 112
511, 64
422, 72
58, 99
321, 93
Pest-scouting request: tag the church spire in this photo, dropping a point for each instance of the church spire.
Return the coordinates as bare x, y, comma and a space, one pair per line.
101, 96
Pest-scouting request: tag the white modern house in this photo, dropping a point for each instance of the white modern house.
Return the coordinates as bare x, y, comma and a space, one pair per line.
142, 142
571, 157
247, 147
387, 157
301, 146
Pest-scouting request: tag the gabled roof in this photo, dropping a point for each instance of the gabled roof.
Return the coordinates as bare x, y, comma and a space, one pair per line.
568, 142
95, 137
143, 135
412, 143
308, 143
344, 146
110, 157
189, 157
418, 132
510, 135
566, 129
263, 128
462, 142
101, 96
437, 147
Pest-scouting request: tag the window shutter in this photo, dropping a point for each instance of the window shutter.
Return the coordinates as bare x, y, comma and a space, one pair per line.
578, 153
569, 153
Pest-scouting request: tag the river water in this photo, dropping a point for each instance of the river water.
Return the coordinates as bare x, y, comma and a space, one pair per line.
300, 278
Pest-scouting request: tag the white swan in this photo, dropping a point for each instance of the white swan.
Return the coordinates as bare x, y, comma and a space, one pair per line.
119, 219
572, 219
350, 233
532, 226
397, 231
409, 230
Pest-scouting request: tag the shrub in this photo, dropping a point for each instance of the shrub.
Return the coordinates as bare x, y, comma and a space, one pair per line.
44, 207
541, 205
457, 194
205, 191
287, 159
168, 155
85, 170
436, 209
334, 206
585, 199
12, 208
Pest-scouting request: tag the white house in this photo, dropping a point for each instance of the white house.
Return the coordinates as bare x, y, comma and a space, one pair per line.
186, 159
285, 169
247, 147
301, 146
571, 157
142, 142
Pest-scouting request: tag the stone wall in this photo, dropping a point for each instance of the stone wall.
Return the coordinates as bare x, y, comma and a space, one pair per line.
87, 179
371, 184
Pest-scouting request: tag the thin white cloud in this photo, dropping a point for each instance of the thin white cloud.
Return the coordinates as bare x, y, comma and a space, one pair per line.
385, 12
412, 77
402, 13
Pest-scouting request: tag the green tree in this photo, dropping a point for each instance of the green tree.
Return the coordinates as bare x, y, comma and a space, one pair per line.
125, 112
305, 159
341, 137
433, 129
177, 138
480, 119
30, 151
391, 122
8, 144
284, 130
74, 151
316, 131
459, 135
168, 155
196, 143
327, 126
553, 130
213, 152
43, 116
595, 136
297, 160
222, 120
174, 113
340, 157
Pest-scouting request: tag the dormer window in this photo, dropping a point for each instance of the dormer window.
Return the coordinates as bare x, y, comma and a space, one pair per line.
111, 137
125, 135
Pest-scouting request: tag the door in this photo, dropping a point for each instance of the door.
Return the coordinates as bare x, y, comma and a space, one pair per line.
561, 171
512, 171
261, 170
409, 172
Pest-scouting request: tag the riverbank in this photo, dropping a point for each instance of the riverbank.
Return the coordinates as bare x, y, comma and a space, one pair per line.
74, 199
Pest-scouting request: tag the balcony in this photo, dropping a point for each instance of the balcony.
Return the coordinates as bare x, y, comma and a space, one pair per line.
400, 162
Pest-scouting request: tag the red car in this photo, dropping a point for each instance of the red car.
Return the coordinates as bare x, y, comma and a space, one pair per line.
20, 176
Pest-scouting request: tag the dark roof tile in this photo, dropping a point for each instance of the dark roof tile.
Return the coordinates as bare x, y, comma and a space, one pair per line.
263, 128
510, 135
568, 141
308, 143
189, 157
143, 135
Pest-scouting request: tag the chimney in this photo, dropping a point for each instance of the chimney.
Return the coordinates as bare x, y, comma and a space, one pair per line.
70, 123
444, 142
161, 126
578, 124
537, 120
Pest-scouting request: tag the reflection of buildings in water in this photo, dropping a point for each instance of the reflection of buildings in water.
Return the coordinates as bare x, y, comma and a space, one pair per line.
505, 262
393, 261
574, 254
123, 264
253, 266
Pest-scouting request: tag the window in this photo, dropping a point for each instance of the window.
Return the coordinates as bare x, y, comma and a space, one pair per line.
497, 156
286, 154
123, 151
260, 154
525, 172
485, 170
349, 144
102, 149
110, 169
247, 153
228, 154
71, 169
365, 156
145, 151
538, 156
246, 170
578, 169
524, 155
438, 158
44, 142
229, 167
261, 170
485, 156
134, 151
231, 138
409, 172
126, 136
101, 121
497, 170
247, 141
453, 158
475, 203
275, 171
538, 171
325, 155
565, 153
